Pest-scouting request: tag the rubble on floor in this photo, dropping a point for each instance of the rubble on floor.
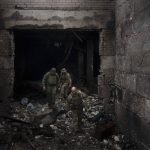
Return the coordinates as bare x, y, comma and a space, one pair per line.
36, 126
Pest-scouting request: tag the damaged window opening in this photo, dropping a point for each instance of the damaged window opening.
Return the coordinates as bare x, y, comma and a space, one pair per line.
36, 51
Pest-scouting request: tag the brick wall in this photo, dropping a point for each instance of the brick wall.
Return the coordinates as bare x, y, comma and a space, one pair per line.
6, 64
132, 67
107, 53
107, 57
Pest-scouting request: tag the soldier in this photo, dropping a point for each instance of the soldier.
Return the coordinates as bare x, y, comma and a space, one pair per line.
64, 83
50, 83
75, 104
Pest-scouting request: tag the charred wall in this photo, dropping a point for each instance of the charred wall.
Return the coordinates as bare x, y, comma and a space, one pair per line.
132, 73
6, 64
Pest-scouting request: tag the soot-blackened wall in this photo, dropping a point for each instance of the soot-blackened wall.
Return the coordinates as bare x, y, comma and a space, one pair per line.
133, 67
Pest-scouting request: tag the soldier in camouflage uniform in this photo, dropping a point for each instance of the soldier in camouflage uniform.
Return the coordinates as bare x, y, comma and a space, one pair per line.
50, 83
64, 83
75, 104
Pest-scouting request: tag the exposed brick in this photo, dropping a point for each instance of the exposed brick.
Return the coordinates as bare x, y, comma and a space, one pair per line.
6, 64
107, 43
5, 43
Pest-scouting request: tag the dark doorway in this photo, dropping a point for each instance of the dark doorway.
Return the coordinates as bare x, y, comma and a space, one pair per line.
36, 51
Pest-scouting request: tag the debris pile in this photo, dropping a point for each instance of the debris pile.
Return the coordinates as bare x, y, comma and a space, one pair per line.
118, 142
36, 126
92, 106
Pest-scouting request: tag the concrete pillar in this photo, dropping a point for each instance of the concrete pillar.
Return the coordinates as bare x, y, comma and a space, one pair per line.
6, 64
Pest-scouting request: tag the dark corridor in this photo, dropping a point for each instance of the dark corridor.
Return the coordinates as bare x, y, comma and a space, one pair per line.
36, 51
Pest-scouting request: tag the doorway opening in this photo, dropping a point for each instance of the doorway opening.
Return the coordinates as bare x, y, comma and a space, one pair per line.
37, 51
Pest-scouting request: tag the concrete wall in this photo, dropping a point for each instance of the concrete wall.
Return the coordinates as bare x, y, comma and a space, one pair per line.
132, 73
52, 14
59, 14
6, 64
107, 53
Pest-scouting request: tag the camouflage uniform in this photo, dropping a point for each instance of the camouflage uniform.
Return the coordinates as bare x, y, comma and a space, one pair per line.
64, 83
50, 83
75, 104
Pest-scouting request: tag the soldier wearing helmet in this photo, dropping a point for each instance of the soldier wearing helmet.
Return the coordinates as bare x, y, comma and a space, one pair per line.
50, 83
75, 104
65, 83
